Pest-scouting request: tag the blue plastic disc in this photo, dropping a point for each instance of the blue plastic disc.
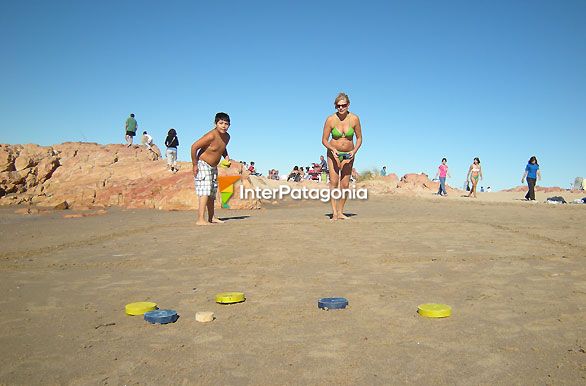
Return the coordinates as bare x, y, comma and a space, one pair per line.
161, 316
332, 303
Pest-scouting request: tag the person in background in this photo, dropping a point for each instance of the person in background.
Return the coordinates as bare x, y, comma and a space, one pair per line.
532, 174
147, 141
301, 173
294, 175
442, 173
131, 126
474, 174
383, 171
307, 174
172, 142
252, 169
323, 164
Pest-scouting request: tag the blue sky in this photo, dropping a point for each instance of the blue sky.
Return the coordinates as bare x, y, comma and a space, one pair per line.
501, 80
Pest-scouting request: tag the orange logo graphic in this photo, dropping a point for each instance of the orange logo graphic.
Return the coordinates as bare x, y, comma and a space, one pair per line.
226, 185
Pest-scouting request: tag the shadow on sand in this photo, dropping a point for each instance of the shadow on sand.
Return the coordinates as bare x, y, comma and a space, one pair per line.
233, 218
330, 215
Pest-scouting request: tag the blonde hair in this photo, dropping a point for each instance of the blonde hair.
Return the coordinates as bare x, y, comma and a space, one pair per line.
340, 97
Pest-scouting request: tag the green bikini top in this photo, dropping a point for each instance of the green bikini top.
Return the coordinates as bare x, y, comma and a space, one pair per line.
336, 134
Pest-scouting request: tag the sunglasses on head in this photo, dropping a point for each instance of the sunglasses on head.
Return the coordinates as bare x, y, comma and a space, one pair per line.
342, 106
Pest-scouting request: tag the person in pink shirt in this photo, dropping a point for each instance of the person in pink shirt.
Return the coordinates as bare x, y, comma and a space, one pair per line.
442, 172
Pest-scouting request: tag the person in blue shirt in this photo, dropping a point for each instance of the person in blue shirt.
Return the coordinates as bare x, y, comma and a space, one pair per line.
532, 174
383, 171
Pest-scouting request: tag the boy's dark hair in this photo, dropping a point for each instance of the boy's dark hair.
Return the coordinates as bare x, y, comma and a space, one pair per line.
132, 115
252, 162
144, 132
444, 159
222, 117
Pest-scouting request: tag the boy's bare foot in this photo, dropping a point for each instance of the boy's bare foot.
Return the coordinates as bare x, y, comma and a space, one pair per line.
217, 221
198, 222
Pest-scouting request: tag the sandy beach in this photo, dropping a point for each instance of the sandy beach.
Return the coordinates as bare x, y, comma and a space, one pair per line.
513, 272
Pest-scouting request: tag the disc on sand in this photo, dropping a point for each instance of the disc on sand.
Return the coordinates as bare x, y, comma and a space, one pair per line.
230, 297
161, 316
140, 308
434, 310
332, 303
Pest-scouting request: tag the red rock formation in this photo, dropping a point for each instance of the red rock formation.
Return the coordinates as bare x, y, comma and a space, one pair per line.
409, 184
91, 175
544, 189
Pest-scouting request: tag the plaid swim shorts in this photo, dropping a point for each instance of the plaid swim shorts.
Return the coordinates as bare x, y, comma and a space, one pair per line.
206, 181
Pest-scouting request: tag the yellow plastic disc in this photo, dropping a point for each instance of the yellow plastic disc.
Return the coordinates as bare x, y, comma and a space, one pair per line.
140, 308
230, 297
434, 310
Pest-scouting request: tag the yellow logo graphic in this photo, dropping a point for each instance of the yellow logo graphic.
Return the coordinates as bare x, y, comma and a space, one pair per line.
226, 185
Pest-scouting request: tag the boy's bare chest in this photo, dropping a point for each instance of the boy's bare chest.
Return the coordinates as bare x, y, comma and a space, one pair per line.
217, 144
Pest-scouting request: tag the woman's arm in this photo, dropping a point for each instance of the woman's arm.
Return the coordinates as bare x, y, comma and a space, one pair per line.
469, 172
538, 174
358, 132
326, 135
480, 171
524, 176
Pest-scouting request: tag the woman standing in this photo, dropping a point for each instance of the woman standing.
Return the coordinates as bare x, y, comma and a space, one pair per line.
532, 173
474, 173
172, 142
341, 149
442, 173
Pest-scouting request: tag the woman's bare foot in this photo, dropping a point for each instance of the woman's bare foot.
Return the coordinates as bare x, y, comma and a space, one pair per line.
198, 222
342, 216
217, 221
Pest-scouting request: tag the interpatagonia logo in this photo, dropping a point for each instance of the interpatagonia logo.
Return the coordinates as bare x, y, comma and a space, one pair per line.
226, 186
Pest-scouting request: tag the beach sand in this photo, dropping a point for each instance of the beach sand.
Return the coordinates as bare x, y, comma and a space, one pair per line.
513, 272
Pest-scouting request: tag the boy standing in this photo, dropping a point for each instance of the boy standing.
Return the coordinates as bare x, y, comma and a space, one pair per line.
205, 156
130, 127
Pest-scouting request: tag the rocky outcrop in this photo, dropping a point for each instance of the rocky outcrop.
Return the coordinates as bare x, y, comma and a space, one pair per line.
410, 184
544, 189
81, 175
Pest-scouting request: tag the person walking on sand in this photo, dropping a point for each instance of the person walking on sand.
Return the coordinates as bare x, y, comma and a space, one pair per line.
442, 173
172, 142
130, 127
474, 173
205, 156
532, 174
341, 150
